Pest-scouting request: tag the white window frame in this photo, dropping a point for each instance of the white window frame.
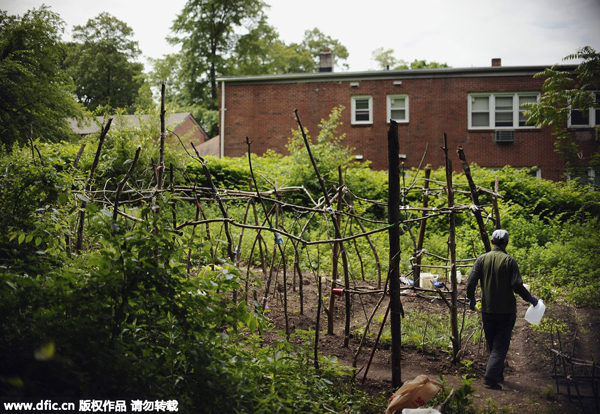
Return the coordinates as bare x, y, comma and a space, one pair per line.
593, 115
354, 110
516, 110
389, 99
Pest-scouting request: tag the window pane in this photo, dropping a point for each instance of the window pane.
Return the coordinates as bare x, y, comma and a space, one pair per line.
523, 119
398, 114
577, 118
504, 119
397, 103
362, 116
481, 103
362, 104
504, 102
481, 119
526, 99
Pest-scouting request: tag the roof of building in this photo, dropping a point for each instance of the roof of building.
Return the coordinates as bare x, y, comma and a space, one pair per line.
210, 147
488, 71
87, 126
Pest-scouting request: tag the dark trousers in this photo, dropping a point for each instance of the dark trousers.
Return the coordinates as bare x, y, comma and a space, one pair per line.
498, 330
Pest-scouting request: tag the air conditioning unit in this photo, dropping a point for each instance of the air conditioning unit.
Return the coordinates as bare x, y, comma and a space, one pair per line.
504, 136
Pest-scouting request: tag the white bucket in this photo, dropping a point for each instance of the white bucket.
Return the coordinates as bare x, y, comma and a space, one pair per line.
427, 280
534, 314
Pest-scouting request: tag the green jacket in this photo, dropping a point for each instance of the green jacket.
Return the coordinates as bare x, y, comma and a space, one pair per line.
500, 277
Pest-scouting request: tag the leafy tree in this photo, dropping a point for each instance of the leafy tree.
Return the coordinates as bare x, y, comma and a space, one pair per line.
35, 92
385, 60
206, 30
102, 63
315, 41
261, 52
562, 92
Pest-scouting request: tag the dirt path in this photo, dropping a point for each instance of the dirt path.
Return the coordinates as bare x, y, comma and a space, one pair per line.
528, 388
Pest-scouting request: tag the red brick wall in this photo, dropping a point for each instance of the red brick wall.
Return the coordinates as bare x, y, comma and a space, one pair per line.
264, 113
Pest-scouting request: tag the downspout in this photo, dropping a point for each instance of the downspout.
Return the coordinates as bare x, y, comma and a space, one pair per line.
222, 145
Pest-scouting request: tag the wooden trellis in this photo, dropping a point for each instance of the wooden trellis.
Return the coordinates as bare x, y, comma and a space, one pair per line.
274, 206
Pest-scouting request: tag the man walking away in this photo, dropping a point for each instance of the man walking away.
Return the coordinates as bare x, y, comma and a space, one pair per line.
500, 277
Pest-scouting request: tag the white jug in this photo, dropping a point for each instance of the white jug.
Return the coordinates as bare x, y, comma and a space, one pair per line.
534, 314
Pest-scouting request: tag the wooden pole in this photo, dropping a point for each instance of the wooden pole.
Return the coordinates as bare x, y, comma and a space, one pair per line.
495, 205
475, 198
88, 185
421, 239
335, 259
163, 133
338, 233
452, 250
394, 241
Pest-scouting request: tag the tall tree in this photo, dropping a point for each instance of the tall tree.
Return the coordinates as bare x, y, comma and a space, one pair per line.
564, 95
206, 30
261, 52
315, 41
35, 92
102, 63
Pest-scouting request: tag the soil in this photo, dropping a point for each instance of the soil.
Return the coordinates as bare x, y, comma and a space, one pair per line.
529, 385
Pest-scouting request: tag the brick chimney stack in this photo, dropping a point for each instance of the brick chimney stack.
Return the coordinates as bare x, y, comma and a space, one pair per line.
496, 62
326, 61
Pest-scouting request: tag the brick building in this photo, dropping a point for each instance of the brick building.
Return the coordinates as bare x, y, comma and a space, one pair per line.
478, 109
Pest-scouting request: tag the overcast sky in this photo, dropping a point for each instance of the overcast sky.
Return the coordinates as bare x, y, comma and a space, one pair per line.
461, 33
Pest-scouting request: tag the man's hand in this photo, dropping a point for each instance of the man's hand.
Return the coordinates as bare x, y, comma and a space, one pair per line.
472, 303
533, 301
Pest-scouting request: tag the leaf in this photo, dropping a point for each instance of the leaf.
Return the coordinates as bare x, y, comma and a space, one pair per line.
21, 238
83, 198
45, 352
38, 241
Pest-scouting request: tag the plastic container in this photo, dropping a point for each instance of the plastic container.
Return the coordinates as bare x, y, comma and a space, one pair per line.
534, 314
427, 280
458, 277
420, 411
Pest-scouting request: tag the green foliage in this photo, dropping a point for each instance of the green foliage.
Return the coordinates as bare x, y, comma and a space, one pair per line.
431, 331
205, 30
36, 93
102, 64
561, 93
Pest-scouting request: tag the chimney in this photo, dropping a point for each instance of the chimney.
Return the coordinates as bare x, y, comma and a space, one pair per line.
496, 62
326, 61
